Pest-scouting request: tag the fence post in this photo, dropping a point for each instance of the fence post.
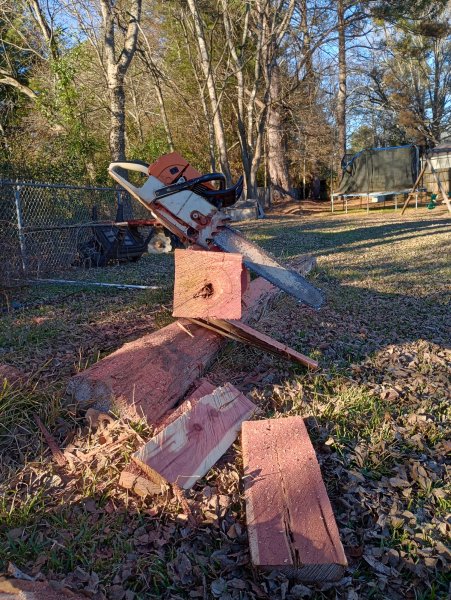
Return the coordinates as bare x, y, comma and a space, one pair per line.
22, 244
119, 202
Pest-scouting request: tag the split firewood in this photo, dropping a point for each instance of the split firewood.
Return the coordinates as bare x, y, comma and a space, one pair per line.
241, 332
54, 448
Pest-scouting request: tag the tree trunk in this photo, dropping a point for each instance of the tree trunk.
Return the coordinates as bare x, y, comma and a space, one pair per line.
277, 152
341, 96
215, 106
164, 116
306, 46
117, 128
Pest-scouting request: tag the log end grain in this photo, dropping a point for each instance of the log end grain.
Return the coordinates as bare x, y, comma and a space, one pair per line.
207, 284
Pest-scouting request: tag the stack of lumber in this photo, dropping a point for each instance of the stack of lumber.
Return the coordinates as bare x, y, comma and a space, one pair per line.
147, 377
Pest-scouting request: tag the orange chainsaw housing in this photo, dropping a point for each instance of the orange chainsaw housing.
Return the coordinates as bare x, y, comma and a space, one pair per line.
170, 167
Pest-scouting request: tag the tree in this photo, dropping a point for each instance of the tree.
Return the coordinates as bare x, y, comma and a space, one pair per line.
255, 38
405, 88
206, 65
114, 48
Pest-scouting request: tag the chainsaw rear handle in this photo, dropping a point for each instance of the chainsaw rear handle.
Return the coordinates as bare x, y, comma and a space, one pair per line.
128, 165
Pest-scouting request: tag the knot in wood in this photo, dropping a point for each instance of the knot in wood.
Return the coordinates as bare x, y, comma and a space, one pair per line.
205, 292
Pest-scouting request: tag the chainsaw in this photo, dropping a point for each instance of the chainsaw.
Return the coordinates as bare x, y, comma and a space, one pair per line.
190, 206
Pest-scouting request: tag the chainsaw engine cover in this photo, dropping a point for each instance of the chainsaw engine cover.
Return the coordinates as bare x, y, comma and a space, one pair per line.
169, 168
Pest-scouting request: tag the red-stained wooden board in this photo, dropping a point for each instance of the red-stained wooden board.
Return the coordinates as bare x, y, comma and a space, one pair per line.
290, 522
236, 330
204, 388
207, 284
188, 447
133, 477
147, 377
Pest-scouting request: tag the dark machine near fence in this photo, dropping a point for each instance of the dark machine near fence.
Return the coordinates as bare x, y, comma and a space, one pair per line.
44, 226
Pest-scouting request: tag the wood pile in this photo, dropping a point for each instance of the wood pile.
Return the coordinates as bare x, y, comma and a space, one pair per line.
290, 522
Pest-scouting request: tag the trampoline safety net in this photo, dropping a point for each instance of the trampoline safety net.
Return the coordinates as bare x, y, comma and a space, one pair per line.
380, 169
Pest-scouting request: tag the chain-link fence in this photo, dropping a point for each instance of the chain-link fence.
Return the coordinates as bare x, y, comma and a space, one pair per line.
43, 226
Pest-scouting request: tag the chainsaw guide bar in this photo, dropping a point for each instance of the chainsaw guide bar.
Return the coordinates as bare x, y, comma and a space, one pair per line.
265, 265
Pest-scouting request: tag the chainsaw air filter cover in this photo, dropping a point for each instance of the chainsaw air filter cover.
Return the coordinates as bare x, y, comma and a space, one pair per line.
159, 243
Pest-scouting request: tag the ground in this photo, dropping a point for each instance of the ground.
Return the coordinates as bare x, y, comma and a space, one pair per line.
378, 413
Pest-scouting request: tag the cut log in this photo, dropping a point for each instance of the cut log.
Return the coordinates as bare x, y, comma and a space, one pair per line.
187, 448
291, 525
207, 284
147, 377
241, 332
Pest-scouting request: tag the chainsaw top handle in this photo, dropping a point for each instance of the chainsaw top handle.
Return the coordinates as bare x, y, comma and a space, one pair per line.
190, 184
144, 194
219, 198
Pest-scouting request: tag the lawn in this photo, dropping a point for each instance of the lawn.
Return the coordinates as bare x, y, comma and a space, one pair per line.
378, 412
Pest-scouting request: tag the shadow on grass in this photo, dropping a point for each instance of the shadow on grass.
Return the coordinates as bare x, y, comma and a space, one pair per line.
283, 238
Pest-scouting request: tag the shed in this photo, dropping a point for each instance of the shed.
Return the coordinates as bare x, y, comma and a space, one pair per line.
440, 158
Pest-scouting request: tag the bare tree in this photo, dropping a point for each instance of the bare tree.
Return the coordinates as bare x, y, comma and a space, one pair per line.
114, 45
254, 39
117, 61
38, 43
342, 78
145, 52
277, 159
205, 62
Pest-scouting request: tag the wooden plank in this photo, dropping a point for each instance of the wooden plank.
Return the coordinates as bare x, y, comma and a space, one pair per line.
291, 525
147, 377
185, 450
204, 388
413, 190
207, 284
133, 477
241, 332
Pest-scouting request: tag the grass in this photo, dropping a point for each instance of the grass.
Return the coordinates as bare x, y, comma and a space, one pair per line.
377, 411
